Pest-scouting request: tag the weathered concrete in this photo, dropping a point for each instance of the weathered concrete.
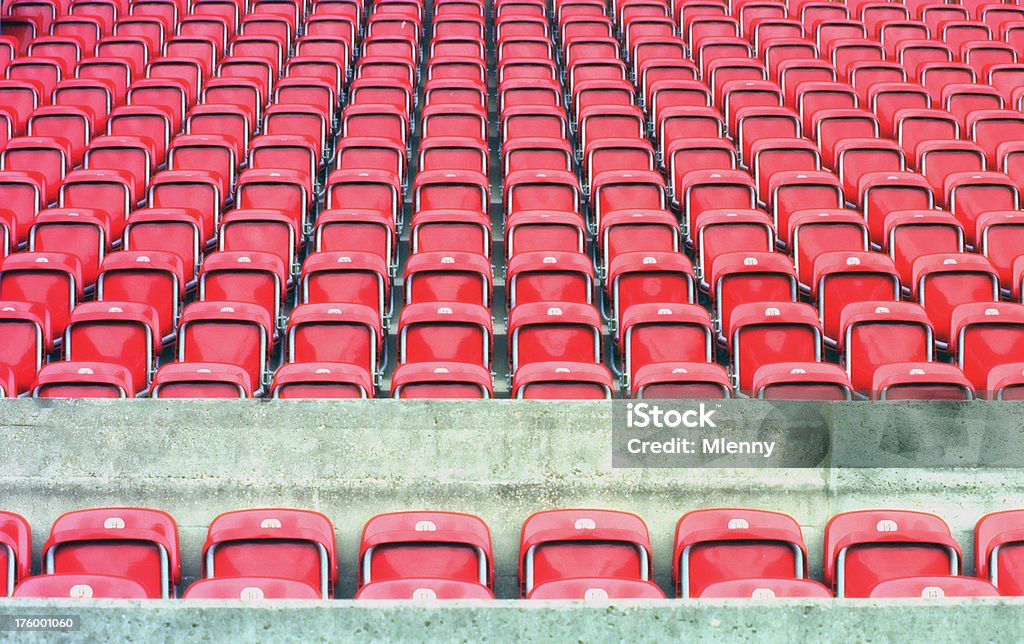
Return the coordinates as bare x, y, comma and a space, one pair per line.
845, 622
500, 459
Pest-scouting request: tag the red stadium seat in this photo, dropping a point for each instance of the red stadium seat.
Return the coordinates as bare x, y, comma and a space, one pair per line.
418, 589
554, 331
802, 381
120, 333
233, 333
681, 380
920, 381
878, 333
426, 545
136, 543
718, 545
866, 547
596, 589
53, 280
321, 380
562, 381
277, 543
451, 332
201, 380
936, 587
549, 277
566, 544
842, 278
944, 281
81, 586
986, 335
771, 332
250, 589
15, 551
761, 589
441, 380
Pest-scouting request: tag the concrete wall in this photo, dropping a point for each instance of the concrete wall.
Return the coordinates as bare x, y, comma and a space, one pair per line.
501, 460
840, 621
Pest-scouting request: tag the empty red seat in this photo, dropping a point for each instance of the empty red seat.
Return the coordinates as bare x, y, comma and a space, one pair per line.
81, 586
933, 587
938, 159
681, 380
802, 381
341, 334
23, 196
278, 543
136, 543
421, 589
770, 332
541, 230
233, 333
192, 190
566, 544
376, 190
149, 278
969, 194
445, 332
944, 281
554, 331
596, 589
346, 277
998, 549
842, 278
664, 333
426, 545
201, 380
920, 381
250, 589
562, 381
772, 156
53, 280
795, 190
718, 545
120, 333
248, 277
539, 276
441, 380
985, 335
322, 380
15, 550
82, 233
738, 278
867, 547
831, 126
358, 230
878, 333
704, 190
813, 232
910, 234
761, 589
44, 158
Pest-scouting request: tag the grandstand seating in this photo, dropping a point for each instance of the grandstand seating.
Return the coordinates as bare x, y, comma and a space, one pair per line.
638, 155
584, 554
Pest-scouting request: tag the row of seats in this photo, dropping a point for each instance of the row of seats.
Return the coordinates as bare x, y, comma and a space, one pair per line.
554, 327
445, 330
563, 554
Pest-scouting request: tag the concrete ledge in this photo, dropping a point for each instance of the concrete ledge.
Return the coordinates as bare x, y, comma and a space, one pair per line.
667, 621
